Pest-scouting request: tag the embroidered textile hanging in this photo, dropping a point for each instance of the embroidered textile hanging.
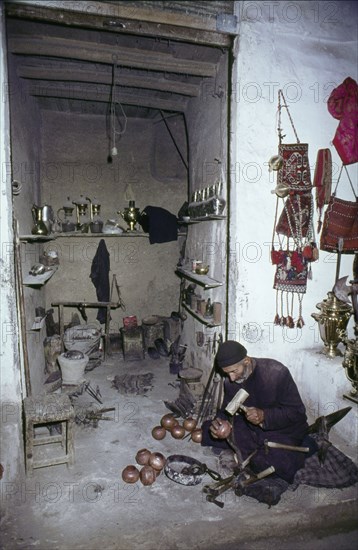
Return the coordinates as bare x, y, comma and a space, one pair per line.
293, 228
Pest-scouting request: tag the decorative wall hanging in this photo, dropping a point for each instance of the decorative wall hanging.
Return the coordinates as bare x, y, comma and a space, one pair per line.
294, 227
340, 223
343, 105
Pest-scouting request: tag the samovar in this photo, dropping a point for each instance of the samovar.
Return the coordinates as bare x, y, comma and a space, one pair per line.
68, 224
333, 318
96, 224
82, 217
350, 363
350, 358
131, 215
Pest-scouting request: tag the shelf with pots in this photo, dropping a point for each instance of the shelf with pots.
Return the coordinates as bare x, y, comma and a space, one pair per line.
207, 321
41, 278
202, 280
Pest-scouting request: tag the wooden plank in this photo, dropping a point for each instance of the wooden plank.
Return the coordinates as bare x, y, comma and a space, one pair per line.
105, 53
85, 94
119, 21
101, 77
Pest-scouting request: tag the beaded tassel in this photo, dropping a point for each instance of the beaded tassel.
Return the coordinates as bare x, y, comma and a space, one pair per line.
300, 323
277, 317
289, 321
283, 318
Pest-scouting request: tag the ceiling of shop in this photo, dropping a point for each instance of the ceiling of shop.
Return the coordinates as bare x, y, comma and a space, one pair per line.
159, 55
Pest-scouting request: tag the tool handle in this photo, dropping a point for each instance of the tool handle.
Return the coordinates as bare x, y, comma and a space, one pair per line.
210, 498
244, 409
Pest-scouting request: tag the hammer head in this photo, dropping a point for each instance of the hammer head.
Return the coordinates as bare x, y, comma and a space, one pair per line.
237, 401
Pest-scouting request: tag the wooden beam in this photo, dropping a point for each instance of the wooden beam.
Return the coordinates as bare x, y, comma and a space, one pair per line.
125, 98
119, 20
76, 74
110, 54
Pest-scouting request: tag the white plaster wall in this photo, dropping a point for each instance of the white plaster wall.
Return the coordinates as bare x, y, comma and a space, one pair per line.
306, 49
10, 386
25, 168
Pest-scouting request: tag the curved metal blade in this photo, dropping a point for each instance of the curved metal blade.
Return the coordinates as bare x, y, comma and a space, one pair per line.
325, 423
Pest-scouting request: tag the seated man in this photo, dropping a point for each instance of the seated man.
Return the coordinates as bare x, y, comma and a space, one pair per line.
275, 412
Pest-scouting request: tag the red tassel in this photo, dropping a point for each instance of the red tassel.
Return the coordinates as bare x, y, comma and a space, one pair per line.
277, 319
283, 321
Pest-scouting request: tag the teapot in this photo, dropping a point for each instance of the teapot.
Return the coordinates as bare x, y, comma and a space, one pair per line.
39, 228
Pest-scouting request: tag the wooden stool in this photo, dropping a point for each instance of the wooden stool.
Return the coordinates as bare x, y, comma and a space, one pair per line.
46, 411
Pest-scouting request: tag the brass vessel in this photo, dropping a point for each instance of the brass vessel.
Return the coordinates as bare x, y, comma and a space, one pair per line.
333, 318
82, 217
130, 215
39, 227
350, 364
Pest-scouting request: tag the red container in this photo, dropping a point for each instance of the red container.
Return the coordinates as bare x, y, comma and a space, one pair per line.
130, 322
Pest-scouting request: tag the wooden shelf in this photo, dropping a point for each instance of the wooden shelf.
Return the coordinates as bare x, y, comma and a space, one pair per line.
202, 219
39, 280
78, 234
204, 320
36, 238
202, 280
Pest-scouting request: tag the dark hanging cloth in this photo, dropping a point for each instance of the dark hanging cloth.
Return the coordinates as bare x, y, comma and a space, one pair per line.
161, 224
100, 278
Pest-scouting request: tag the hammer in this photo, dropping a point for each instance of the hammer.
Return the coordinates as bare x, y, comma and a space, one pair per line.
237, 402
274, 445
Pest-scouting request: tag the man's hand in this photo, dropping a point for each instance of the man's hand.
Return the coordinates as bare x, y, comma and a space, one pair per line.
254, 415
220, 429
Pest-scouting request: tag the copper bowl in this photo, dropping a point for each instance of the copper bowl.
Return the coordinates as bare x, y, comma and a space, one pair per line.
189, 424
197, 435
147, 475
168, 421
159, 432
130, 474
202, 270
157, 461
142, 456
178, 431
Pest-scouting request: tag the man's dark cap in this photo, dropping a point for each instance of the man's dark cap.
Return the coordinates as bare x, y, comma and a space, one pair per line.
229, 353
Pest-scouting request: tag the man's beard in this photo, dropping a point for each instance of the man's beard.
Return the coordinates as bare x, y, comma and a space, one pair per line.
247, 371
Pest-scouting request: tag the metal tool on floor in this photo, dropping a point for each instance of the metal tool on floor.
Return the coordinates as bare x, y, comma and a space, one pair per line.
94, 393
273, 445
239, 478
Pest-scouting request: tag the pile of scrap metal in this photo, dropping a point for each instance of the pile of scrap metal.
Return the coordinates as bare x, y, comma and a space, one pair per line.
89, 415
137, 384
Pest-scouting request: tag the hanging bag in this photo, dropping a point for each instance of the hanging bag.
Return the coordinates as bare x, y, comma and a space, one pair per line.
295, 226
295, 175
340, 222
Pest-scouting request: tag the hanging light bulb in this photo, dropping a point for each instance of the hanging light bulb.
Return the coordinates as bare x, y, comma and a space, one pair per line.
114, 102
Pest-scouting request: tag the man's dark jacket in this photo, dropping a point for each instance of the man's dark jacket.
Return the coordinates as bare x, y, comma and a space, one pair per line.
272, 389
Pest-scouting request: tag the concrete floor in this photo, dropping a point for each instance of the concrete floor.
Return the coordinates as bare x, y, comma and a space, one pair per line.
89, 506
